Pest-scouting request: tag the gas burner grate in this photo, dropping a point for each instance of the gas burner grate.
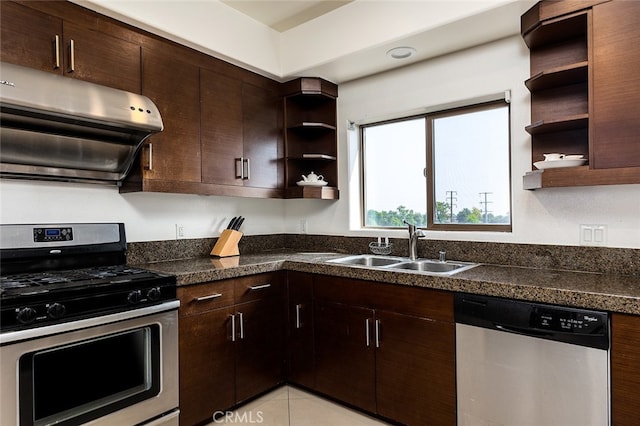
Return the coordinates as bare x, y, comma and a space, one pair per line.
58, 277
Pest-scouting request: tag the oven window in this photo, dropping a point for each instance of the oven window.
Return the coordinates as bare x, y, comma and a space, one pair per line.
85, 380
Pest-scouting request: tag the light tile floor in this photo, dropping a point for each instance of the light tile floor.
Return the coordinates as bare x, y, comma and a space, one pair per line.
288, 406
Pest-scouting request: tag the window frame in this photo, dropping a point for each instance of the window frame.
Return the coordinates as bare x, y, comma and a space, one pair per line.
429, 169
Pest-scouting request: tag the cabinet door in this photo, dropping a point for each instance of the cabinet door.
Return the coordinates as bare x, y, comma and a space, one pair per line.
207, 373
261, 136
100, 58
300, 329
221, 124
174, 153
345, 354
260, 347
625, 369
616, 85
415, 370
27, 37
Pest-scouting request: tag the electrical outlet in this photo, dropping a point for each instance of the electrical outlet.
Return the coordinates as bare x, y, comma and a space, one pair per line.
593, 235
303, 226
179, 231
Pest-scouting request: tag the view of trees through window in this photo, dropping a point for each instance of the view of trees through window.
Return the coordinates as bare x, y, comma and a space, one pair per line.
469, 152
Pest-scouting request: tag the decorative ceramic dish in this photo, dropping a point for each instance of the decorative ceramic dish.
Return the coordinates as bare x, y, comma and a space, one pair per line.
554, 164
312, 183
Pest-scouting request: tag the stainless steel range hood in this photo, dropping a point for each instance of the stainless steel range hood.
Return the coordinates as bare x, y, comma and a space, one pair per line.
60, 128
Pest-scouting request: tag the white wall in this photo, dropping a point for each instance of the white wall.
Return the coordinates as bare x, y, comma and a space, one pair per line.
147, 216
549, 216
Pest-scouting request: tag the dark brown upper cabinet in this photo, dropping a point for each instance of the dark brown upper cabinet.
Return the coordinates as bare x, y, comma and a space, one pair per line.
310, 139
583, 90
40, 40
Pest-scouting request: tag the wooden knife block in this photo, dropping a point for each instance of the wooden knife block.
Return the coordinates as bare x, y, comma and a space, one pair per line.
227, 244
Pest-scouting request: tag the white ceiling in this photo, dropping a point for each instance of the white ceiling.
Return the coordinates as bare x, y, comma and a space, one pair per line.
336, 40
284, 15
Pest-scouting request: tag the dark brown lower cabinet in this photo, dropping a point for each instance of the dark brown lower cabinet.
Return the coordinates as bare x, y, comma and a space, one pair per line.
207, 357
231, 343
386, 349
415, 370
345, 356
625, 369
300, 329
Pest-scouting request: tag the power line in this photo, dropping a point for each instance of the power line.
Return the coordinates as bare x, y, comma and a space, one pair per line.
486, 204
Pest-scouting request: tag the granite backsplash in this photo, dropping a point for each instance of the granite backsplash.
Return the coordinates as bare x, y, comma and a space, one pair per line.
624, 261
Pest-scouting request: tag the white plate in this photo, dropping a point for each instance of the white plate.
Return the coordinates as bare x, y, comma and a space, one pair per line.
316, 183
554, 164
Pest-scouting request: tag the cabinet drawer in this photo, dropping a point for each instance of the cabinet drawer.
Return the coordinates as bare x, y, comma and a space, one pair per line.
258, 287
416, 301
205, 297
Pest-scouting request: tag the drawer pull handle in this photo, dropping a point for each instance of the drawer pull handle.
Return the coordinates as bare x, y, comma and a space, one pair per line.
72, 55
241, 320
209, 297
366, 332
259, 287
298, 324
233, 328
56, 52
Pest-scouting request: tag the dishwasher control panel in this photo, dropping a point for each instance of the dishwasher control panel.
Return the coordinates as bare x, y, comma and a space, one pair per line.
583, 327
564, 320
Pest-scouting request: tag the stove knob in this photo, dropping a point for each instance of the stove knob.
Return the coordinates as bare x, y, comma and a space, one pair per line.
134, 296
56, 310
26, 315
154, 294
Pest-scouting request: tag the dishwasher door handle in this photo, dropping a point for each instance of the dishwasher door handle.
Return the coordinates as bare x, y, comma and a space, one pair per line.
523, 331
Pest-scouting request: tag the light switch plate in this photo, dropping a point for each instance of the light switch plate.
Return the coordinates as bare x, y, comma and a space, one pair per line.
593, 235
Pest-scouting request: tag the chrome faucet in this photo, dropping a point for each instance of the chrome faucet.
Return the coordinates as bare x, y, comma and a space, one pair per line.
414, 234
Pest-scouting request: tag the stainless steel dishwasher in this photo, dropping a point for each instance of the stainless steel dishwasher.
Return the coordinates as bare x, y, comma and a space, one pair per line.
521, 363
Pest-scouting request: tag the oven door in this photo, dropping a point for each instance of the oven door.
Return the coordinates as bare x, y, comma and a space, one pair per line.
115, 369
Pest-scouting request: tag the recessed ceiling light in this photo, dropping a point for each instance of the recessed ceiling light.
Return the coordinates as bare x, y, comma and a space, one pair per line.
401, 52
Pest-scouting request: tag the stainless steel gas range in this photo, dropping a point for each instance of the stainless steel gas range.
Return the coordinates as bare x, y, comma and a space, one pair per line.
84, 339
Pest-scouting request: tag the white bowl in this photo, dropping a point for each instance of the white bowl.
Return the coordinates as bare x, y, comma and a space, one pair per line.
555, 164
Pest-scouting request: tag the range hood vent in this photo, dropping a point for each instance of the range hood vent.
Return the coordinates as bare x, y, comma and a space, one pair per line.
60, 128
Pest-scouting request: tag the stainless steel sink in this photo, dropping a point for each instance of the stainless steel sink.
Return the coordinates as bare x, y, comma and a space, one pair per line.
425, 266
434, 266
367, 260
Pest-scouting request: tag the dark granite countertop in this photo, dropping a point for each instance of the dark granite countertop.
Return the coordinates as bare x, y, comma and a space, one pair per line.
609, 292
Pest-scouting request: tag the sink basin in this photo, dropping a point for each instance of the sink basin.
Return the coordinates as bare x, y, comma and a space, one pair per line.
434, 266
367, 260
425, 266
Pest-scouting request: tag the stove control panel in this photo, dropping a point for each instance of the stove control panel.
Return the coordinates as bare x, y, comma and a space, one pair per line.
45, 235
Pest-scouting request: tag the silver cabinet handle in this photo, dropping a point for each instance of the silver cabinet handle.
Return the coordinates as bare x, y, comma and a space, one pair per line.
72, 56
56, 52
150, 156
240, 168
366, 332
233, 328
209, 297
246, 171
377, 333
298, 308
241, 320
259, 287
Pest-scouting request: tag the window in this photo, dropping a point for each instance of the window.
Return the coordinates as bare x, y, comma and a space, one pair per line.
447, 170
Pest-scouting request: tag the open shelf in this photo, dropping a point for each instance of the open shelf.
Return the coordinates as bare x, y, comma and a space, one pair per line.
310, 133
558, 76
571, 122
580, 176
